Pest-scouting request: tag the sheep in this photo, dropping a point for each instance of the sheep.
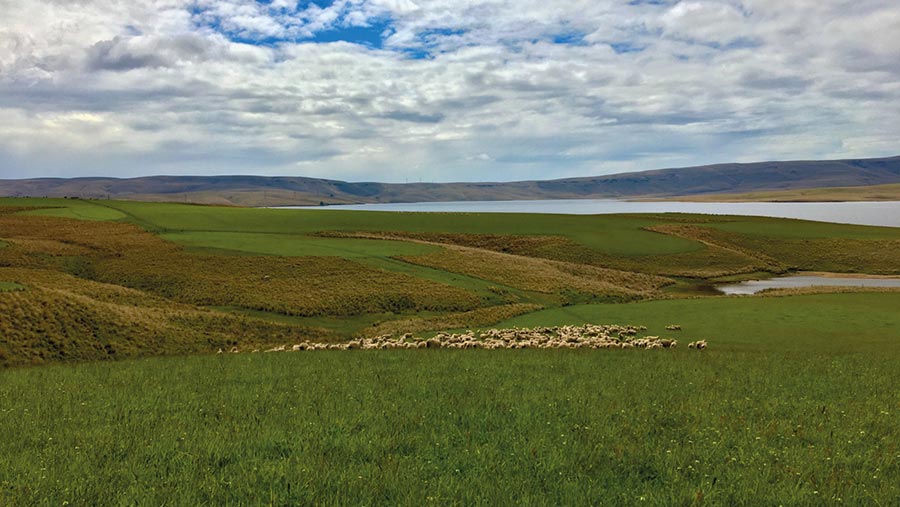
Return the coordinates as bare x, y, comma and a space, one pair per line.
570, 337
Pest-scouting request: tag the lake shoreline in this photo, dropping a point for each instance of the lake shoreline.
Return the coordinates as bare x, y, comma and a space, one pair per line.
808, 280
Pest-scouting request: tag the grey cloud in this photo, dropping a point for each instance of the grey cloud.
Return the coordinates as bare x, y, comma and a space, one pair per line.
123, 53
767, 81
414, 117
466, 103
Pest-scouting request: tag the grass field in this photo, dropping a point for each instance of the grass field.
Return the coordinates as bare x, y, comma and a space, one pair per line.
804, 415
833, 323
793, 403
617, 235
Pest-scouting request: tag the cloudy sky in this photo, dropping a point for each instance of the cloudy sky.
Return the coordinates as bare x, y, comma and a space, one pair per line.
441, 90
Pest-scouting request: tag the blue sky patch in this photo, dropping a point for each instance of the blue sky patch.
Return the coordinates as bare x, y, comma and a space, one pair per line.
626, 47
371, 36
570, 38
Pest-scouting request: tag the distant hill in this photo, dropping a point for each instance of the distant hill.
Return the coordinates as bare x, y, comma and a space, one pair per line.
281, 191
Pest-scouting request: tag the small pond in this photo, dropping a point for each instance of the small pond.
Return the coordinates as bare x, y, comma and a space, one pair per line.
800, 281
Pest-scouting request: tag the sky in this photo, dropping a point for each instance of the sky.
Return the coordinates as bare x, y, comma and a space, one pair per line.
441, 90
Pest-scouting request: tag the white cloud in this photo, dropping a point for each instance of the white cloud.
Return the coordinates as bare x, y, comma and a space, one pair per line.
510, 87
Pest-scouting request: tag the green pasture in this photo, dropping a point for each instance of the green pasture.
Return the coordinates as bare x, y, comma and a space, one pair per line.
795, 402
613, 234
845, 323
245, 229
80, 209
10, 286
763, 417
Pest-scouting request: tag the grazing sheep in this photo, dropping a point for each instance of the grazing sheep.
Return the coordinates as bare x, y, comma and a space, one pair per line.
569, 337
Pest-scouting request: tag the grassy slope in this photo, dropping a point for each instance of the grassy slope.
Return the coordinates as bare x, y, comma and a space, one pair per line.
793, 411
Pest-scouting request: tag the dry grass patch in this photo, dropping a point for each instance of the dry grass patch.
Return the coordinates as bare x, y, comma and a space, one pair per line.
721, 257
124, 254
64, 318
540, 275
301, 286
475, 318
501, 259
710, 261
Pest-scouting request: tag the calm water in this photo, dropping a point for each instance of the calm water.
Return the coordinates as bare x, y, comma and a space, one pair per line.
793, 282
862, 213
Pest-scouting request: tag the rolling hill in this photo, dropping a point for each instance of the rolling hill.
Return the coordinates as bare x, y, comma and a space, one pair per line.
283, 190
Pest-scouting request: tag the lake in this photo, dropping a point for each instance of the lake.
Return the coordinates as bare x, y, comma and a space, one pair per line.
799, 281
882, 213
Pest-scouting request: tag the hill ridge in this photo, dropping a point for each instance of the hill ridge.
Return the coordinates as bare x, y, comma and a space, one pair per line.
253, 190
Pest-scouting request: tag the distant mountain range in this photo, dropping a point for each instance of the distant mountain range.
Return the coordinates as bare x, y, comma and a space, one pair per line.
283, 191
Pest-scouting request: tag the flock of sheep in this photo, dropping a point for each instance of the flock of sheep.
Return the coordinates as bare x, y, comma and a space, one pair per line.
589, 336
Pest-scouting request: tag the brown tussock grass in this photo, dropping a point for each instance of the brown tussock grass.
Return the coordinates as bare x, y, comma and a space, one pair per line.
474, 318
539, 275
65, 318
709, 262
124, 254
519, 271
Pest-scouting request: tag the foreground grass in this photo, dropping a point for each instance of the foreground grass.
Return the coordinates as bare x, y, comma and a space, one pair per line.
465, 427
795, 402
